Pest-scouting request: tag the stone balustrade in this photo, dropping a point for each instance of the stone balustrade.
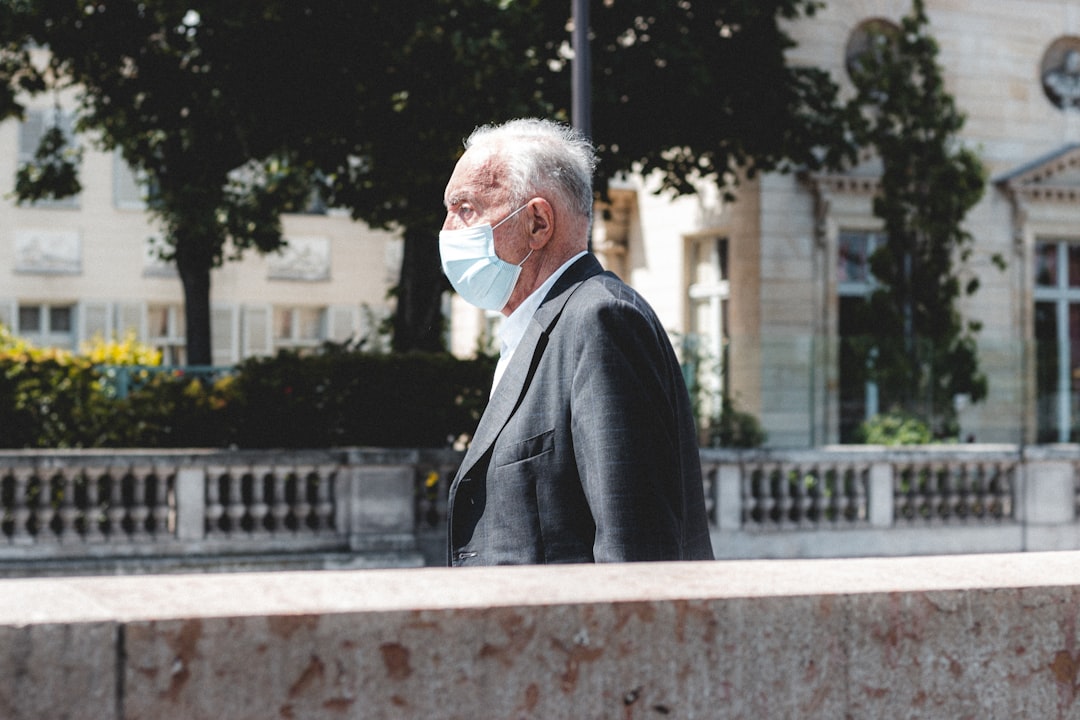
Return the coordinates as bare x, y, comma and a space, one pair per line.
139, 511
850, 501
135, 511
979, 636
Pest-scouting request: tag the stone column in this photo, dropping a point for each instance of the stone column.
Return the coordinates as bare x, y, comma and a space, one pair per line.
381, 508
191, 504
880, 495
1048, 505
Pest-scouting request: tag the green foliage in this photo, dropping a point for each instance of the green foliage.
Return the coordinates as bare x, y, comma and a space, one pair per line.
727, 60
54, 173
895, 428
232, 111
346, 398
724, 426
735, 428
338, 397
926, 353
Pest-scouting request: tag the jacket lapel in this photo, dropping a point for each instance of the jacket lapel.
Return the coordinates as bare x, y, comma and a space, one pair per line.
518, 375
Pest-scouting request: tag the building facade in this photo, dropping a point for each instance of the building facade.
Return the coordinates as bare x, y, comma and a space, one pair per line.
765, 285
84, 267
1013, 68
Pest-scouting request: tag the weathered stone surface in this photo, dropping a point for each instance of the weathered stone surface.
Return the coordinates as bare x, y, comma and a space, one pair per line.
936, 637
58, 671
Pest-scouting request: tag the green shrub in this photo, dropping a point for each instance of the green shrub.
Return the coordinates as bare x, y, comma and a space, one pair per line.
342, 398
336, 397
52, 398
734, 428
894, 428
168, 409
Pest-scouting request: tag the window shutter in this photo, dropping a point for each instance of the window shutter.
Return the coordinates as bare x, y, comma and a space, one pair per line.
131, 317
257, 329
30, 131
224, 335
343, 322
8, 308
128, 191
94, 322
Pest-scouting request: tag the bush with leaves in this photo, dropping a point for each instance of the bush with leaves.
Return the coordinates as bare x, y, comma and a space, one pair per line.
345, 398
735, 428
895, 428
336, 397
55, 398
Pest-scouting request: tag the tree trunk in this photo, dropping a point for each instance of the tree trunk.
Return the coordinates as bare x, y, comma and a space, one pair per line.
195, 278
418, 320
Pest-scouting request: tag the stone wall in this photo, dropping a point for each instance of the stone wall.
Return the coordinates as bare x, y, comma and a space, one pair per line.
933, 637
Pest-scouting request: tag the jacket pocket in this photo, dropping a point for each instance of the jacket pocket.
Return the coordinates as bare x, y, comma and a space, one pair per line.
526, 449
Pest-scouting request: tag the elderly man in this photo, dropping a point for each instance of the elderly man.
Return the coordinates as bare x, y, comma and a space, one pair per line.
587, 451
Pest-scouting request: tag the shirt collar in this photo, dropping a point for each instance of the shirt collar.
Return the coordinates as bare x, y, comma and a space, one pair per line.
513, 327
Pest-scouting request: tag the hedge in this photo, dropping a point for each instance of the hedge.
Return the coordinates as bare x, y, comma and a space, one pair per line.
334, 398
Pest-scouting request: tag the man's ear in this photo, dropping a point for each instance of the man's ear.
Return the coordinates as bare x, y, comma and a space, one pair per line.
540, 221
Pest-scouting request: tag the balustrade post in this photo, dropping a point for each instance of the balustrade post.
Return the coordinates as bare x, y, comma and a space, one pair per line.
190, 492
381, 508
1048, 493
880, 498
728, 493
1048, 504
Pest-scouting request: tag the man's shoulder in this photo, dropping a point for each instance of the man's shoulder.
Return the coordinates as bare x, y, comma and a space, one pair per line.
608, 288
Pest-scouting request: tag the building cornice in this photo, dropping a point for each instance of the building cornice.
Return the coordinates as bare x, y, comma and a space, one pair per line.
1054, 177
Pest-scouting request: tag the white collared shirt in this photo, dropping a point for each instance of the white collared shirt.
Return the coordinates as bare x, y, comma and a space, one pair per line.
513, 327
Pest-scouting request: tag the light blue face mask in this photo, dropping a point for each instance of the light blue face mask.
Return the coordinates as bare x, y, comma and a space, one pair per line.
469, 261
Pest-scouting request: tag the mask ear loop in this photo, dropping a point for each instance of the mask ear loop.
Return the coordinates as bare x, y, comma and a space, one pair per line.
510, 215
507, 218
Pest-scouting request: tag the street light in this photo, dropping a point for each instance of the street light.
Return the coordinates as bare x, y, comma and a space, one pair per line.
581, 107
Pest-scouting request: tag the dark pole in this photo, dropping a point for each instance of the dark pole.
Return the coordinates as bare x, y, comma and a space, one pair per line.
581, 90
580, 86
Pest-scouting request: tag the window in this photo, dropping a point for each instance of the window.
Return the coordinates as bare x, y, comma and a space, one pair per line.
299, 327
1057, 341
47, 325
166, 332
708, 339
854, 283
130, 189
31, 130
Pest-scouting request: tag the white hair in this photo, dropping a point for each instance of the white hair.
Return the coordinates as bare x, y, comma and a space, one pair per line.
542, 155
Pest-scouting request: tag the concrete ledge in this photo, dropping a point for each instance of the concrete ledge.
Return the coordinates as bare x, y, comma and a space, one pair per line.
934, 637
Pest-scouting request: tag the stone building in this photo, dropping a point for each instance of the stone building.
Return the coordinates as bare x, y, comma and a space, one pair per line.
760, 286
1012, 67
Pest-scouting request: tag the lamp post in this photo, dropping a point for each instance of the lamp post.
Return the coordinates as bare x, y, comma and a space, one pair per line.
581, 108
581, 105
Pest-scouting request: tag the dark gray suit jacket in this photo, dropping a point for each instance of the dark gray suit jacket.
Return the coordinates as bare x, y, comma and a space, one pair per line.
587, 451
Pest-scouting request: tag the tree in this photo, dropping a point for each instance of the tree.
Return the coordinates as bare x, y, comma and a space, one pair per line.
926, 352
701, 91
156, 81
693, 91
233, 111
457, 64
